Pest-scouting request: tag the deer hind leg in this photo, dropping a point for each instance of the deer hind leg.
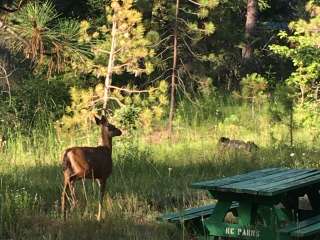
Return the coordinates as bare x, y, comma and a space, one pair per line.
66, 182
102, 185
63, 200
73, 192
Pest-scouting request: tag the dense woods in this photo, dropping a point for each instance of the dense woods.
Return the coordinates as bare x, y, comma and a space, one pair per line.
144, 57
174, 76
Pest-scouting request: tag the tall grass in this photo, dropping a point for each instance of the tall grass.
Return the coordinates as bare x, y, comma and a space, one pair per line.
149, 178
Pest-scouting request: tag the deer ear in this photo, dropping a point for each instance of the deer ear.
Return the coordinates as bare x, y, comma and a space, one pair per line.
98, 121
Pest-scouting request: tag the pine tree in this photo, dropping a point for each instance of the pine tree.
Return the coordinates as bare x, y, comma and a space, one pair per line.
119, 46
36, 30
183, 25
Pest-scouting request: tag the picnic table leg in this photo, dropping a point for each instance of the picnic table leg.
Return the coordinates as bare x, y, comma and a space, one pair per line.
314, 198
245, 213
291, 203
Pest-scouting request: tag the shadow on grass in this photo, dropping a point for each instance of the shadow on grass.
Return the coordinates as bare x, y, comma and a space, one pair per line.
138, 191
112, 227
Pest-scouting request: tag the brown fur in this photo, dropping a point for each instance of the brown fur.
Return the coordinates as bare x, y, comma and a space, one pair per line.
237, 144
89, 163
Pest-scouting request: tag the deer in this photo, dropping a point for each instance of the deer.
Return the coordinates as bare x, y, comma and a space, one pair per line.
80, 163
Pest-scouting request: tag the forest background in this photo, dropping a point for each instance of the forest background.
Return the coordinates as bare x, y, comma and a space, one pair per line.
175, 76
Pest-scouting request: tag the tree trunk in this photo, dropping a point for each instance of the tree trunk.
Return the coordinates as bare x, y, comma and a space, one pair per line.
108, 79
291, 126
302, 90
174, 67
251, 21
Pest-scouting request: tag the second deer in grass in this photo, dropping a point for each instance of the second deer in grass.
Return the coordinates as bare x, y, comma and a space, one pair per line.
89, 163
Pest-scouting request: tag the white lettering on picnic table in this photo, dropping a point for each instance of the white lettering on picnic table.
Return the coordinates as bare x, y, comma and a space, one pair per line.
243, 232
230, 231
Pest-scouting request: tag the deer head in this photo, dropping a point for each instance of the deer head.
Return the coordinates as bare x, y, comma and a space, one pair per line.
108, 129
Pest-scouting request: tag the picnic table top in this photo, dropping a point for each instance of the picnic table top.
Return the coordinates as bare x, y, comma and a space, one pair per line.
265, 182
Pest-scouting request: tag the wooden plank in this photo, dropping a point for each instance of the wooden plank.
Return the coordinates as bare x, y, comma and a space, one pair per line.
292, 185
294, 226
183, 217
270, 182
193, 213
271, 179
307, 231
214, 184
266, 182
250, 186
208, 209
291, 179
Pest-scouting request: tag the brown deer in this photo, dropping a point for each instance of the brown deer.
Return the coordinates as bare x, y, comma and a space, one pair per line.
89, 163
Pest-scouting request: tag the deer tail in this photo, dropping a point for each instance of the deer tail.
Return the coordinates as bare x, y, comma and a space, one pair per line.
65, 161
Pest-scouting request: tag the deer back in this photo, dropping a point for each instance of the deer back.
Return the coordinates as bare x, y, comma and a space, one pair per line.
89, 162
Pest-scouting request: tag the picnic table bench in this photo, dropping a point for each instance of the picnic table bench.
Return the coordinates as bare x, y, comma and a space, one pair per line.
265, 204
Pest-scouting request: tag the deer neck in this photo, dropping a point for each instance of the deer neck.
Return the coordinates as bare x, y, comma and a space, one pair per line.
106, 141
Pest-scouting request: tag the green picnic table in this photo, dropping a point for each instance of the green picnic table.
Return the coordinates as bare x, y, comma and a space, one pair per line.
267, 204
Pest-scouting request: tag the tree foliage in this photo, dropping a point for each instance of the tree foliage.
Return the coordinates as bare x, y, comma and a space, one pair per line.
123, 51
303, 50
37, 32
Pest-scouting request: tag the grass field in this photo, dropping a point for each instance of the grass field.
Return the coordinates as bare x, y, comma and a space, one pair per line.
151, 176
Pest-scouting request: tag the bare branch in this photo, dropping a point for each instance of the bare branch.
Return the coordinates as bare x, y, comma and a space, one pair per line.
191, 13
131, 90
167, 58
11, 10
183, 21
122, 65
184, 67
156, 79
190, 50
196, 3
192, 38
164, 39
162, 52
8, 9
6, 77
182, 86
159, 77
12, 32
117, 100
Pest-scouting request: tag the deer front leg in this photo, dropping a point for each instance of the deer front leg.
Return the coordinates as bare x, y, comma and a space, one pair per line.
102, 184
